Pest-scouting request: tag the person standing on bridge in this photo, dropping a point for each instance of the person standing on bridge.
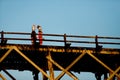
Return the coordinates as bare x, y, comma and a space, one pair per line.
33, 35
40, 34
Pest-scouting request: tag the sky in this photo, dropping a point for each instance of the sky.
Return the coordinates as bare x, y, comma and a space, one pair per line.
74, 17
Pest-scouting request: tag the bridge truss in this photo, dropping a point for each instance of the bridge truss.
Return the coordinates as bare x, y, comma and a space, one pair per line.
65, 58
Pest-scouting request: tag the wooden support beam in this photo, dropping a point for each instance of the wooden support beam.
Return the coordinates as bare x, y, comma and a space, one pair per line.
31, 62
61, 49
3, 78
61, 68
50, 66
103, 64
25, 57
112, 74
9, 74
44, 77
6, 54
75, 61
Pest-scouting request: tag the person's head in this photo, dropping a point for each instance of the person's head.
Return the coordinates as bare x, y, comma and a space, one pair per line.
39, 28
33, 28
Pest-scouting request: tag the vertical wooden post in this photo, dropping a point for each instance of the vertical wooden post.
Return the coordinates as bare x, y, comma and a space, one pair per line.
44, 77
64, 39
64, 70
110, 73
35, 75
50, 66
98, 47
96, 41
2, 38
105, 76
2, 35
65, 42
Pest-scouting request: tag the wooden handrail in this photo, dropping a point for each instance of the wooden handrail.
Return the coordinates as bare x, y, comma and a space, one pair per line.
25, 33
64, 37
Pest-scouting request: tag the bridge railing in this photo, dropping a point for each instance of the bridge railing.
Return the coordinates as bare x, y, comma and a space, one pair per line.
59, 39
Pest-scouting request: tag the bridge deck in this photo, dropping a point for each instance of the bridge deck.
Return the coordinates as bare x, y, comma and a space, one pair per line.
60, 54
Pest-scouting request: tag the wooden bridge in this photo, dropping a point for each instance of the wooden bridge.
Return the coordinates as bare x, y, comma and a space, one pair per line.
66, 53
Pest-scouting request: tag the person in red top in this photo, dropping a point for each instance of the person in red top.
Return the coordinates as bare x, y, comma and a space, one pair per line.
40, 34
